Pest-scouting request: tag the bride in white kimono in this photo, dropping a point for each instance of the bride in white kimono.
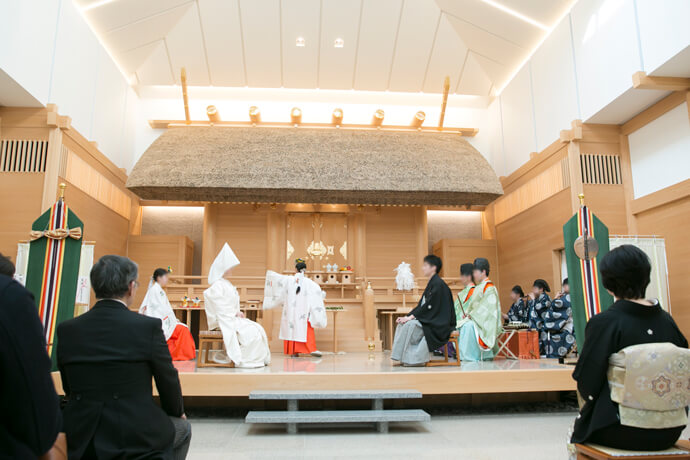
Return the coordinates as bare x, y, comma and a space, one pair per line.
245, 341
303, 309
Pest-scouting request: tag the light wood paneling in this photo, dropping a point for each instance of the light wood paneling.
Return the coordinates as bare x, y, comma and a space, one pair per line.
526, 243
158, 251
608, 203
459, 251
25, 190
670, 221
244, 228
391, 238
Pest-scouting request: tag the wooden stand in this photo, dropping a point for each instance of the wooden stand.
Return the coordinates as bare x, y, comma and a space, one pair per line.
206, 341
454, 336
585, 452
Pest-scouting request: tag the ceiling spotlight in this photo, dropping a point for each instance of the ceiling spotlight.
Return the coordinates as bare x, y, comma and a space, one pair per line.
338, 117
300, 42
296, 115
254, 114
378, 117
418, 119
338, 43
213, 115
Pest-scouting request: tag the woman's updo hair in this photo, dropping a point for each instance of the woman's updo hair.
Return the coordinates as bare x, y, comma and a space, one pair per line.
518, 290
542, 284
300, 265
157, 273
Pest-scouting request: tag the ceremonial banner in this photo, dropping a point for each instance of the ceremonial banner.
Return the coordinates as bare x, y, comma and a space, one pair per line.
53, 269
586, 242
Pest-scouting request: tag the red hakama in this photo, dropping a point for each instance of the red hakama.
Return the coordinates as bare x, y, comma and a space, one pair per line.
290, 347
181, 344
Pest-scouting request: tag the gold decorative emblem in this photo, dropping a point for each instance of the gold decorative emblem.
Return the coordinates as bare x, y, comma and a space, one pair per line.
317, 249
586, 247
290, 250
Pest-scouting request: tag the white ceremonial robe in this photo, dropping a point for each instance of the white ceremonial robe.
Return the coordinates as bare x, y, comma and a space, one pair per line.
298, 308
157, 305
245, 341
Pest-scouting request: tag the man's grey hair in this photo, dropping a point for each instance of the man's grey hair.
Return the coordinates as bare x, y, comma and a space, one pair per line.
112, 275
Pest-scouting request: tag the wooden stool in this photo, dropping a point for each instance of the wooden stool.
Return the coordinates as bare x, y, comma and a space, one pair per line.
206, 340
585, 452
454, 336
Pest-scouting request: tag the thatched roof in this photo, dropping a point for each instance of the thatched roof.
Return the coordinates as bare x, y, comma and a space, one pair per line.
311, 165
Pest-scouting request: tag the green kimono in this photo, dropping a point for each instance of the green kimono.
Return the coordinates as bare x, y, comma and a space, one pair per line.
480, 329
464, 304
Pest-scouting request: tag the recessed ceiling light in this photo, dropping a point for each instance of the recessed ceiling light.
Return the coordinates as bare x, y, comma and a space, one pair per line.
300, 42
338, 43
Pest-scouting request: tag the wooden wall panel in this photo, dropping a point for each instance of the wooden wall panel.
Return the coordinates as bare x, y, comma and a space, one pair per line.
21, 205
608, 203
670, 221
455, 252
526, 243
245, 230
158, 251
391, 238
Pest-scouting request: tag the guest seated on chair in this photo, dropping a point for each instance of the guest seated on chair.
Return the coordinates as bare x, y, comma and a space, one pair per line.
538, 305
156, 305
107, 359
631, 320
430, 324
481, 325
518, 312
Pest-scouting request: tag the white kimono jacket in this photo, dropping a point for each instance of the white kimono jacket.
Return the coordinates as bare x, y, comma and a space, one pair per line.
157, 305
297, 308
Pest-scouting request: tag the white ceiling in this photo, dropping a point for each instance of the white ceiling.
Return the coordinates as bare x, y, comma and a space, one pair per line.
395, 45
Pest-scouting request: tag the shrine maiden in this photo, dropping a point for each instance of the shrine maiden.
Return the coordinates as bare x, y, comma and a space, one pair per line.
156, 305
481, 325
245, 341
429, 325
303, 309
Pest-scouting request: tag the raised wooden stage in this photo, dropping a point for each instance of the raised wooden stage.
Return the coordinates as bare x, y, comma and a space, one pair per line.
358, 371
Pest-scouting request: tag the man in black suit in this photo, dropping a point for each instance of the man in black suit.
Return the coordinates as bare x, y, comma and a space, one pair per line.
29, 406
107, 358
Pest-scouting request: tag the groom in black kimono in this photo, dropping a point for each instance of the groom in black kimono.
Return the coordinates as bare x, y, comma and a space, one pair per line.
429, 325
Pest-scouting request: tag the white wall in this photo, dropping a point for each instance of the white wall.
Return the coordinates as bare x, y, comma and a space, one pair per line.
584, 68
659, 152
49, 49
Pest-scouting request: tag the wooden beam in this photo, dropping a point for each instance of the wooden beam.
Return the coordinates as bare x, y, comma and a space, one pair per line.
664, 196
642, 81
185, 99
165, 124
627, 179
50, 177
446, 88
647, 116
576, 186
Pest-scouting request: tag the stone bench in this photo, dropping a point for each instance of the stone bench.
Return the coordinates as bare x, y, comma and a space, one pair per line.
292, 416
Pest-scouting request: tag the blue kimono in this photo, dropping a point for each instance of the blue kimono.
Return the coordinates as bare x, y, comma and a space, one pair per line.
518, 312
554, 321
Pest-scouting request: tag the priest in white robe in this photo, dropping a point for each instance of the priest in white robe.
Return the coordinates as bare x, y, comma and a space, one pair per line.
245, 341
303, 309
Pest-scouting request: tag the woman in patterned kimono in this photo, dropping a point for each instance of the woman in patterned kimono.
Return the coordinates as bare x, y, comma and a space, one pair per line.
156, 304
538, 305
558, 325
518, 311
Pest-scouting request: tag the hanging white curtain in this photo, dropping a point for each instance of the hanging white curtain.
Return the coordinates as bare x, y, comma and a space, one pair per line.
83, 297
22, 262
655, 248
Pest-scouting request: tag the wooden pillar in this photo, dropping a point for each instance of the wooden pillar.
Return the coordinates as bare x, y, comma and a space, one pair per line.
360, 245
422, 235
135, 216
208, 251
628, 190
50, 177
576, 187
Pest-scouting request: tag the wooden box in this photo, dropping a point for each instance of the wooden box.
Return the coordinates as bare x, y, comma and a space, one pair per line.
318, 278
525, 344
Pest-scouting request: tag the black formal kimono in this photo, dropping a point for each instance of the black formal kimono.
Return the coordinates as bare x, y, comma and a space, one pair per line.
107, 358
30, 409
436, 313
622, 325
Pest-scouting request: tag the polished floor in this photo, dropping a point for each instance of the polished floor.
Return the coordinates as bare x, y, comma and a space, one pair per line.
367, 362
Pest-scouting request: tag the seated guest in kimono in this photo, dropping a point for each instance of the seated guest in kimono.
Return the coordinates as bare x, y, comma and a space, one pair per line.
463, 299
631, 320
481, 325
558, 324
429, 325
538, 305
245, 341
156, 305
518, 312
